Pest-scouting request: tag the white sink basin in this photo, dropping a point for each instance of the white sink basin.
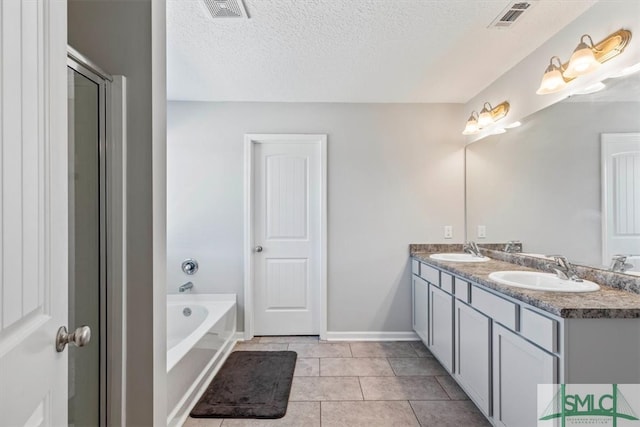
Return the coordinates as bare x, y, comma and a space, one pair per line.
459, 257
541, 281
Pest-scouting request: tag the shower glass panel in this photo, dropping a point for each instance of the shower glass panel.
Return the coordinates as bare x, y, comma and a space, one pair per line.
86, 245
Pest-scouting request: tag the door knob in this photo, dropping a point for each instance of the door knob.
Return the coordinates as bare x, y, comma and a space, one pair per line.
80, 337
258, 248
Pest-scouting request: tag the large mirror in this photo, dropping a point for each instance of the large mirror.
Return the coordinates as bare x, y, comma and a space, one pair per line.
550, 182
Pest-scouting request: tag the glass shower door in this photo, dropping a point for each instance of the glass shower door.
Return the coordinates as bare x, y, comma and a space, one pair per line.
86, 107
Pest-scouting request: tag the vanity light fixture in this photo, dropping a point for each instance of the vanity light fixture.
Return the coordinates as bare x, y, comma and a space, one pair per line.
488, 116
586, 58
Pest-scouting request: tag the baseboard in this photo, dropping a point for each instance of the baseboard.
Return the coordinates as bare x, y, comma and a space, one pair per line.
372, 336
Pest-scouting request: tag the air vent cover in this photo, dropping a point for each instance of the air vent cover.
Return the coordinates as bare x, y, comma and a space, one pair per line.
225, 8
511, 14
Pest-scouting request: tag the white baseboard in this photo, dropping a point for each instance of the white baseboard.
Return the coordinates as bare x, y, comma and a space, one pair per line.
372, 336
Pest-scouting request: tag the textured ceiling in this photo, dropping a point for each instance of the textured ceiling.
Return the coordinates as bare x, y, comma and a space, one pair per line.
352, 50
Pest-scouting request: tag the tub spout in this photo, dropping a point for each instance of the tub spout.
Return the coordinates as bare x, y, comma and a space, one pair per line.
186, 287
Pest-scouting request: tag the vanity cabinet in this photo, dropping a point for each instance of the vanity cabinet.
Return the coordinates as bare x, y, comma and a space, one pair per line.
473, 354
518, 368
441, 326
420, 292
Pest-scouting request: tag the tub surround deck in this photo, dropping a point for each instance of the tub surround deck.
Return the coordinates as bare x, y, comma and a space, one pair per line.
615, 299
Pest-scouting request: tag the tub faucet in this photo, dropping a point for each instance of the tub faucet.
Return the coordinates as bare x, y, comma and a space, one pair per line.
186, 287
472, 248
563, 269
619, 264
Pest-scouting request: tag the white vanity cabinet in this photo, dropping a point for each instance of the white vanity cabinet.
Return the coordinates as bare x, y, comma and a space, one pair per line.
473, 354
499, 348
441, 326
518, 368
420, 292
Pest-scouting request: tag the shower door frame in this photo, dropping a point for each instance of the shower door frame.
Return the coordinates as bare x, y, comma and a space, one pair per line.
112, 176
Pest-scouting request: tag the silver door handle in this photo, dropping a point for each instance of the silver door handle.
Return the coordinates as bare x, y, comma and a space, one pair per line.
258, 249
80, 337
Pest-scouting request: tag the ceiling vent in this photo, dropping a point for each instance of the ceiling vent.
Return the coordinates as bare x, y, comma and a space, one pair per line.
225, 8
511, 14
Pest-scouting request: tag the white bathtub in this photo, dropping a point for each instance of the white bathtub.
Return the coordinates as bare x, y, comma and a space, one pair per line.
200, 334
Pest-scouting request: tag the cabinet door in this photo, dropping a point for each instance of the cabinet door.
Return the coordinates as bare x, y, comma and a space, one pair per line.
473, 352
518, 368
441, 326
420, 308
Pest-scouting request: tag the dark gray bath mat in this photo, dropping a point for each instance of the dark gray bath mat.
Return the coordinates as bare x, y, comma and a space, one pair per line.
250, 384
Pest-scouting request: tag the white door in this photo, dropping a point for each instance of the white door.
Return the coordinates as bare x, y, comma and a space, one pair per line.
288, 233
33, 211
621, 197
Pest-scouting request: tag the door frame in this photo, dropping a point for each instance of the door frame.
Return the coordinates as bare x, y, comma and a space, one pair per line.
250, 140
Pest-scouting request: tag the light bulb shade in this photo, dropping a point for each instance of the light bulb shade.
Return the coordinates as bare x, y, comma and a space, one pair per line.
485, 119
471, 127
582, 62
552, 81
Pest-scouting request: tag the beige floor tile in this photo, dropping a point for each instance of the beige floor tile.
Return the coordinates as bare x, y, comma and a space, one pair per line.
321, 350
355, 367
452, 388
299, 414
453, 413
367, 414
202, 422
402, 388
325, 388
382, 349
308, 339
420, 349
252, 346
307, 367
416, 366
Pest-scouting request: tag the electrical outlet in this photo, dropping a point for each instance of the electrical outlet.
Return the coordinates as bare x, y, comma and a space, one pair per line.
448, 232
482, 231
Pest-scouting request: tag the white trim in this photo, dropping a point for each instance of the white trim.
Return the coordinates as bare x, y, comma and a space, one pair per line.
116, 147
249, 141
371, 336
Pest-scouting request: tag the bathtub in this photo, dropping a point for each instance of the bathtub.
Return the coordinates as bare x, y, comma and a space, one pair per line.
201, 331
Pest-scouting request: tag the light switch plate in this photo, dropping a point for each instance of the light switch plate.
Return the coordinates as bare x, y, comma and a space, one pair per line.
482, 231
448, 232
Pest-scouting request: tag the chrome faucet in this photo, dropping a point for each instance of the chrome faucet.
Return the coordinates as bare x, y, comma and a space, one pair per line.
186, 287
472, 248
513, 247
619, 264
563, 269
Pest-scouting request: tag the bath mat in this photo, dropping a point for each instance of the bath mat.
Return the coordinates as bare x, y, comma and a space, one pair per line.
250, 384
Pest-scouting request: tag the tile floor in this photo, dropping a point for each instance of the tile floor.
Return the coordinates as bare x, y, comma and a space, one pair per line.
385, 384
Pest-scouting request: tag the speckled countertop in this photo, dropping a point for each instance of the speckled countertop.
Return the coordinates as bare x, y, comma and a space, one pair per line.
608, 302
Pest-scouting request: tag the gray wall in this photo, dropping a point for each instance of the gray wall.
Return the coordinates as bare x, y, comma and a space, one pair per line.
540, 183
116, 35
395, 177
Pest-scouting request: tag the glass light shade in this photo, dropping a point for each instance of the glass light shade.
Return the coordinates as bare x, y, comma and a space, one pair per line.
471, 127
485, 119
582, 62
552, 81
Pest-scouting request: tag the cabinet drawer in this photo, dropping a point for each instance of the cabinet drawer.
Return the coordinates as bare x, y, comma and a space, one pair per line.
446, 282
461, 289
430, 274
415, 267
539, 329
499, 309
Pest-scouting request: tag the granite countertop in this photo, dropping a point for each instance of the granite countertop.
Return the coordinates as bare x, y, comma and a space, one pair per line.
608, 302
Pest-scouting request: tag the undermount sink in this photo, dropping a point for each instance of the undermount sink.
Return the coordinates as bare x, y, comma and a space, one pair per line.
541, 281
462, 257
